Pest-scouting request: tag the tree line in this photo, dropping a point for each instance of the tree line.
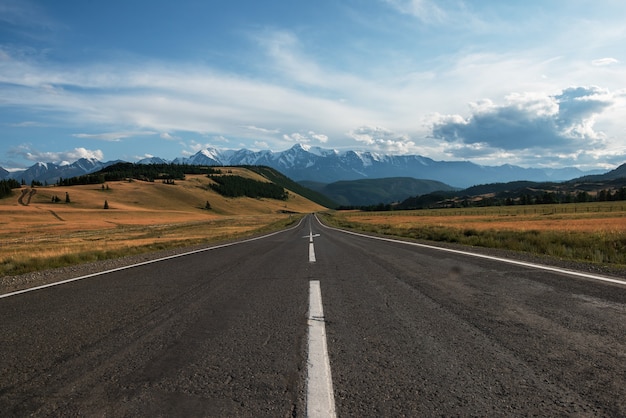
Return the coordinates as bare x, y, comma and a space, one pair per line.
144, 172
437, 200
236, 186
6, 187
280, 179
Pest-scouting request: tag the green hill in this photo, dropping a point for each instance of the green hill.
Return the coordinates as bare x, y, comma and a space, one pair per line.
278, 178
584, 189
374, 191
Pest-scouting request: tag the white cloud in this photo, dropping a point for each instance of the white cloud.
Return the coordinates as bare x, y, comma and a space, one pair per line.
262, 130
426, 10
604, 61
283, 49
301, 94
529, 124
383, 140
56, 157
115, 136
319, 137
191, 99
196, 146
306, 138
169, 137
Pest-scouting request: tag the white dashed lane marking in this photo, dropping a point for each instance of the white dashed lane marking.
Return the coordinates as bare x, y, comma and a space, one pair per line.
320, 400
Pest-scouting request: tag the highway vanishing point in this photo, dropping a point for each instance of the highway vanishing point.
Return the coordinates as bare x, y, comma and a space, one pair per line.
315, 321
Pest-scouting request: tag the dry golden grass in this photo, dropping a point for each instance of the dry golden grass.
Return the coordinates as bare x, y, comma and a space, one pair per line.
141, 216
592, 222
592, 232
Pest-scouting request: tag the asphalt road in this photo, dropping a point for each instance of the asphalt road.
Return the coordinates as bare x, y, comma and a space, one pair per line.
411, 331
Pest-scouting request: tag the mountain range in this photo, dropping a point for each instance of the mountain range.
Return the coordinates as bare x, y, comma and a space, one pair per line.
374, 191
305, 163
52, 172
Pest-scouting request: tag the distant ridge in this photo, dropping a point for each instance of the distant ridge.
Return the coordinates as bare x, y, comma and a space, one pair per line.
302, 162
375, 191
619, 172
607, 187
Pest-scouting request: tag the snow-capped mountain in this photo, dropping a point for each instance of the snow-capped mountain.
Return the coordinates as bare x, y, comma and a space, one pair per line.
209, 156
51, 172
153, 160
302, 162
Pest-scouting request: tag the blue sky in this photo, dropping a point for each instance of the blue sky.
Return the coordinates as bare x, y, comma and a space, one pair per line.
532, 83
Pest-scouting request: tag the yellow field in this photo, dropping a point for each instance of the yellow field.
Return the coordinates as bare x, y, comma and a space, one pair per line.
576, 222
589, 232
140, 214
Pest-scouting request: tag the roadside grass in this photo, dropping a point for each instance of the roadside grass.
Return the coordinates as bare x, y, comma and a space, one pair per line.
591, 233
41, 253
142, 217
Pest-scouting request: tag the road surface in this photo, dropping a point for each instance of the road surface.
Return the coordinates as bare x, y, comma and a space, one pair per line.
409, 331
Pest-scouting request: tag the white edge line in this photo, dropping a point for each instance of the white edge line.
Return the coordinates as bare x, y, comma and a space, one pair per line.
320, 399
31, 289
488, 257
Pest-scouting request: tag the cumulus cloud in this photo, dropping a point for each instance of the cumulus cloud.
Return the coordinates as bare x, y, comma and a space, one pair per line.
527, 121
56, 157
577, 108
306, 138
382, 139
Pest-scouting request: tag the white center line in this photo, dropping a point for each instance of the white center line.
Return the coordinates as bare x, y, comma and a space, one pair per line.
311, 253
320, 400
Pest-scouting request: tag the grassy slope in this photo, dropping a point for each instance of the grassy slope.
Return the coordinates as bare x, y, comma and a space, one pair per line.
582, 232
374, 191
284, 181
142, 216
